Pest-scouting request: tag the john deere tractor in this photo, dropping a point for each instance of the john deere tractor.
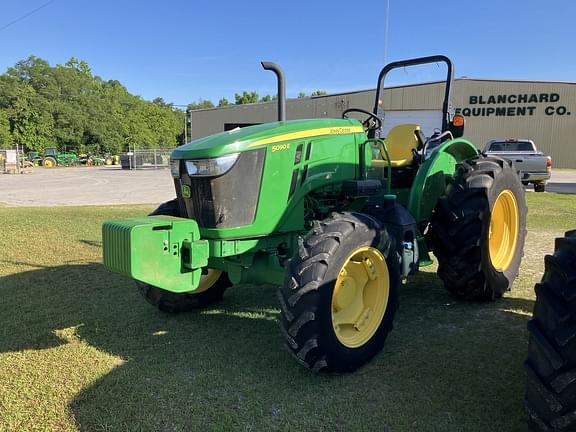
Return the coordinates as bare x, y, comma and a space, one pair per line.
333, 212
52, 158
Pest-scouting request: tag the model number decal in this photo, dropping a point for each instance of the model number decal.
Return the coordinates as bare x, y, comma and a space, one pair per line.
279, 147
340, 130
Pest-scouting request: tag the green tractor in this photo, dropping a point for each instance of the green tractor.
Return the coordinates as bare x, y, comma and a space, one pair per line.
33, 158
334, 214
52, 157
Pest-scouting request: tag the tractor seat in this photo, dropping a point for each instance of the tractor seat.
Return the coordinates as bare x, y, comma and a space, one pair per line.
401, 141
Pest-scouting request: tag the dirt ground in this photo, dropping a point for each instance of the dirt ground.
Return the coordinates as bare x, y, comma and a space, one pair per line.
112, 185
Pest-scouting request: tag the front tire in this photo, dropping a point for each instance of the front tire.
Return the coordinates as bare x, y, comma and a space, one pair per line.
210, 291
478, 229
550, 399
341, 294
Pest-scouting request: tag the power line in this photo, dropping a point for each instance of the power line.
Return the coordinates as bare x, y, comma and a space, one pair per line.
26, 15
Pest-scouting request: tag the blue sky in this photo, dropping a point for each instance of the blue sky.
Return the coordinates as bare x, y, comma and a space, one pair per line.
186, 50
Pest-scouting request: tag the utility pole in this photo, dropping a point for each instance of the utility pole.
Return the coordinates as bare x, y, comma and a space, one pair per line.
185, 126
186, 114
386, 31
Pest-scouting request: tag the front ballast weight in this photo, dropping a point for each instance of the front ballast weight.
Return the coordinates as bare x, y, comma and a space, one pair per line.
157, 250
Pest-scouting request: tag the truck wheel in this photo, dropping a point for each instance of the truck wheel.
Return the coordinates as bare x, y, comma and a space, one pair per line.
478, 229
341, 294
550, 399
211, 289
540, 187
49, 162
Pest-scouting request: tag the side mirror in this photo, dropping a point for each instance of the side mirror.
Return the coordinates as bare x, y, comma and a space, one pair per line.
457, 126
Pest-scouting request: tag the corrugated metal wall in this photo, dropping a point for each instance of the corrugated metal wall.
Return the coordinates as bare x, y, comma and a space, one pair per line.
542, 111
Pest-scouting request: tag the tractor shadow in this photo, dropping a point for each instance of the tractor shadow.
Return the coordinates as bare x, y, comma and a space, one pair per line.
457, 366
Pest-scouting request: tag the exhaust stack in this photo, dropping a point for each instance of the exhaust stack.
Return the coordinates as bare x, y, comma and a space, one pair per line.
281, 88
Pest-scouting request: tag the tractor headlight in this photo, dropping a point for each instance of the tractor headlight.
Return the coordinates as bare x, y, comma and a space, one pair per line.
211, 167
175, 168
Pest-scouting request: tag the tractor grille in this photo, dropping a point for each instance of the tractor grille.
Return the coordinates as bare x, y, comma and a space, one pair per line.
226, 201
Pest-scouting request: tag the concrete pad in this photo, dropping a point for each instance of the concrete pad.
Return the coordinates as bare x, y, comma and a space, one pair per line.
86, 186
112, 185
561, 181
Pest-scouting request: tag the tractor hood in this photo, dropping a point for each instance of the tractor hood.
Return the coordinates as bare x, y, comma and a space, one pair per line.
251, 137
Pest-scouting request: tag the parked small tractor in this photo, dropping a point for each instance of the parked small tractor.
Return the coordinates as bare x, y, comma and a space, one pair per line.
550, 400
52, 157
334, 213
33, 158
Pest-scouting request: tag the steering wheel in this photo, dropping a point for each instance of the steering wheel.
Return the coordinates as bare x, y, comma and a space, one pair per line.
373, 122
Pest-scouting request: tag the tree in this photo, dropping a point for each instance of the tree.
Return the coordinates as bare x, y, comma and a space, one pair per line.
30, 117
318, 93
301, 95
223, 102
266, 98
160, 101
5, 135
79, 65
246, 98
200, 104
67, 106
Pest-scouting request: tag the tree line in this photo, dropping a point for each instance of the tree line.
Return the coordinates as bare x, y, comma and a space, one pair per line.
244, 98
68, 107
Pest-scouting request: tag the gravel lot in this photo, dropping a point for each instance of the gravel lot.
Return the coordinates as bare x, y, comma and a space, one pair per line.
112, 185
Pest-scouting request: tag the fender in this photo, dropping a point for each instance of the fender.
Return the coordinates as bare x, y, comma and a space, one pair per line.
430, 182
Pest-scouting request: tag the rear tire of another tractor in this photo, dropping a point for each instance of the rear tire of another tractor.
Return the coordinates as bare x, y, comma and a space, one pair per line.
341, 294
550, 399
49, 162
478, 229
210, 291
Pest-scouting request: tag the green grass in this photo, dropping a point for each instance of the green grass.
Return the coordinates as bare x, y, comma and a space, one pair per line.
80, 350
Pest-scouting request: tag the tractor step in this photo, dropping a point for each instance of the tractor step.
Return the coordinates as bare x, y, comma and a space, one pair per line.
162, 251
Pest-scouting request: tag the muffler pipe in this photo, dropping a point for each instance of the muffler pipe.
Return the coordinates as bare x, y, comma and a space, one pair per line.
281, 88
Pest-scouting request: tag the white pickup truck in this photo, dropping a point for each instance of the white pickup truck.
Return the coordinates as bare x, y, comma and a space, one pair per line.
532, 165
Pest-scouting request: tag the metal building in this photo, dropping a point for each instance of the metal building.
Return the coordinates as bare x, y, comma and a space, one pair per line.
543, 111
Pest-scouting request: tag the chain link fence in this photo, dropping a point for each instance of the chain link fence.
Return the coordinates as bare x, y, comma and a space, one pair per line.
138, 159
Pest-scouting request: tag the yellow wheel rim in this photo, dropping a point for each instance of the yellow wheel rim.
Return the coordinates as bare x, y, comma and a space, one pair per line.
48, 163
504, 228
207, 281
360, 297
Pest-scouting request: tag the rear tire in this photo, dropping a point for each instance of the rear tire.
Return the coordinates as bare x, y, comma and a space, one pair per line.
204, 296
49, 162
550, 399
310, 309
471, 266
